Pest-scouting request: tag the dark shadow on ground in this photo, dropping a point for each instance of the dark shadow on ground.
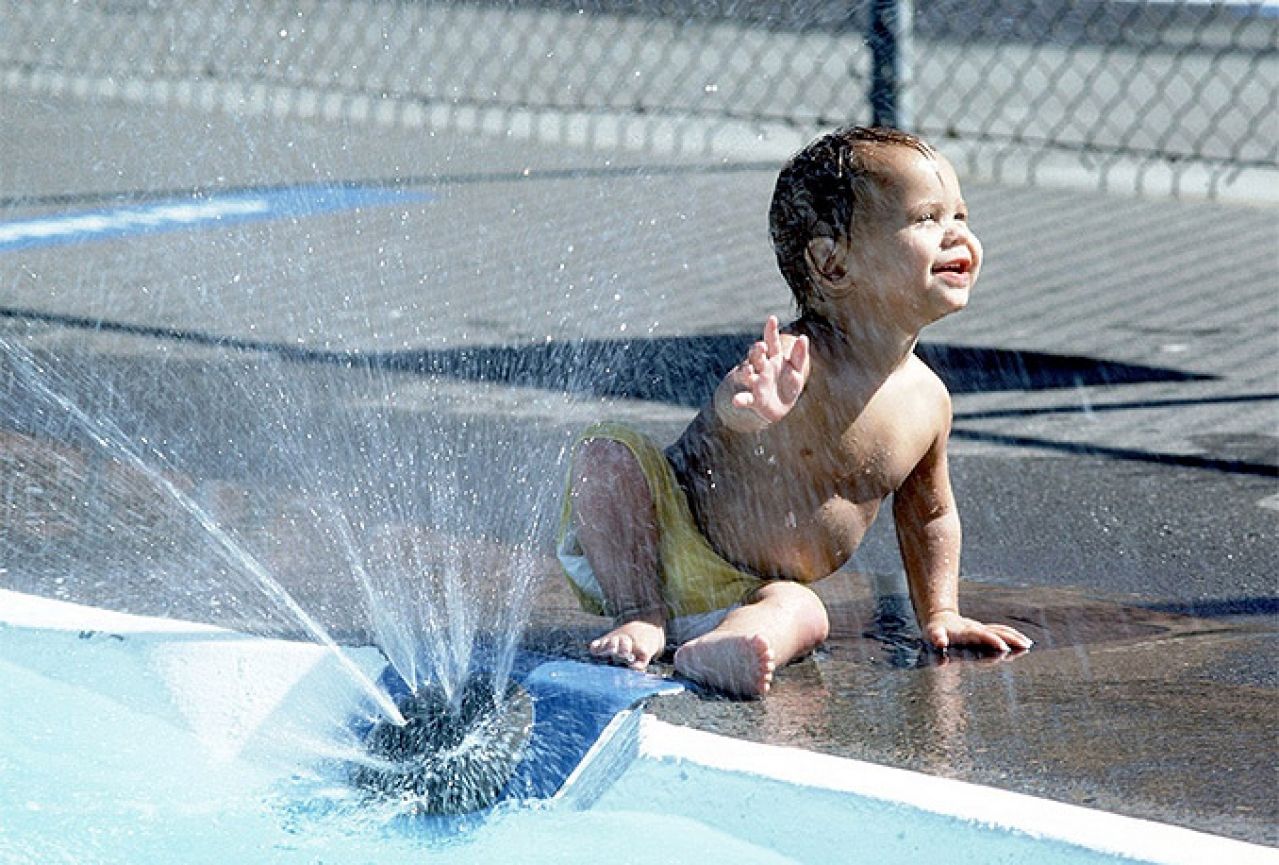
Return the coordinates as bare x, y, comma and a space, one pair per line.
1264, 469
679, 370
1241, 453
684, 370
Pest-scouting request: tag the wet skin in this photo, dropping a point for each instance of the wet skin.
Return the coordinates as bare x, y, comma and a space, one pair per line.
823, 421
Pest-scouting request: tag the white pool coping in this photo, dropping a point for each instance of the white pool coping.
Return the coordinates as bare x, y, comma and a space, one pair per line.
650, 738
1102, 831
21, 610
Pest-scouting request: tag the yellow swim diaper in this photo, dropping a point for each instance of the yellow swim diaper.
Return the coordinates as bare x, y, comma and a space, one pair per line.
695, 579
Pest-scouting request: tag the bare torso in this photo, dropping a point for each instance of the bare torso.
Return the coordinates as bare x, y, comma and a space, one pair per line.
795, 500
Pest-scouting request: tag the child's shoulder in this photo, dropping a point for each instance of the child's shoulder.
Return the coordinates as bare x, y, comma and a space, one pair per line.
915, 392
917, 374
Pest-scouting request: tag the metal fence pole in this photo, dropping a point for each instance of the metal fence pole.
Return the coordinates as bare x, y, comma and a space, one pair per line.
889, 35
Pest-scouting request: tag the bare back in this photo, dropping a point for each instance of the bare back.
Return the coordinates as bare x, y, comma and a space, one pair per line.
795, 500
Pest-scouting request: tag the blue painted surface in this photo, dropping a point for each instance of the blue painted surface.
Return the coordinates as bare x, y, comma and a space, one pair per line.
185, 214
572, 704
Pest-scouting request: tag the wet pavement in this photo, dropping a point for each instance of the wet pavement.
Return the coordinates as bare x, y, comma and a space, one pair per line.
1115, 451
1155, 715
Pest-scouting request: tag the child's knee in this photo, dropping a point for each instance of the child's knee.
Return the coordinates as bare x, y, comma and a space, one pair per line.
800, 604
602, 456
606, 467
814, 623
608, 487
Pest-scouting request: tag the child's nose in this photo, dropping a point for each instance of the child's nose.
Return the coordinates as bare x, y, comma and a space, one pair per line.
958, 231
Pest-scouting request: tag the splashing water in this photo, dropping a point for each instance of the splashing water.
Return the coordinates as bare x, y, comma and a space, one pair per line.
447, 758
106, 435
426, 528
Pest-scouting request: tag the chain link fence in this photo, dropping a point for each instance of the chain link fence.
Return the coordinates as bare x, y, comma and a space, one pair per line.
1164, 94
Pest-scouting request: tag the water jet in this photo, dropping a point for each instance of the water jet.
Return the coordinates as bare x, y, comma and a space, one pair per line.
453, 755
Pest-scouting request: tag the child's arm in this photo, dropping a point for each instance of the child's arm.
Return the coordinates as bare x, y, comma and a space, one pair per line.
929, 535
762, 389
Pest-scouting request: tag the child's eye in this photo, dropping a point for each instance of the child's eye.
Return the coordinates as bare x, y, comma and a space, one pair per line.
927, 217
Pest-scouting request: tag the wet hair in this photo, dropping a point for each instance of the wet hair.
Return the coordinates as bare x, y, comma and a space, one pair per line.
823, 189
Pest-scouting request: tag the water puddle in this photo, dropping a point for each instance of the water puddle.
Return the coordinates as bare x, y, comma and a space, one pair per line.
1142, 712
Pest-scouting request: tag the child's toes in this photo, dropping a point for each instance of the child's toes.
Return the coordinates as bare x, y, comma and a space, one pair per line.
615, 648
767, 665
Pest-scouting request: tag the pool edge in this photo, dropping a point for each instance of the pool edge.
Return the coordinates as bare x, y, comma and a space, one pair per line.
634, 734
1101, 831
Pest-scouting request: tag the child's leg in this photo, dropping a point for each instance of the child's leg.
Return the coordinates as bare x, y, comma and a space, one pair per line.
784, 621
617, 530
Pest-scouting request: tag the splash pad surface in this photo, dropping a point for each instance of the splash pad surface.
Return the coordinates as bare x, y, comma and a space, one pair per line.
137, 739
1084, 706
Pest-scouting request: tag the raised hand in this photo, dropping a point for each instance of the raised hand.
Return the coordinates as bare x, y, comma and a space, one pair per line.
773, 374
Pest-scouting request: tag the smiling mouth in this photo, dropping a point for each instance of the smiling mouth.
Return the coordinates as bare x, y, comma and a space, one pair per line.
954, 271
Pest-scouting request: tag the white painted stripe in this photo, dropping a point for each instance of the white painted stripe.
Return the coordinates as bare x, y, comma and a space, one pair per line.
227, 208
129, 217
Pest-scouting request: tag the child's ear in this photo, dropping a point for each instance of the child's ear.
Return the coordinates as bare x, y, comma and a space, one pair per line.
826, 260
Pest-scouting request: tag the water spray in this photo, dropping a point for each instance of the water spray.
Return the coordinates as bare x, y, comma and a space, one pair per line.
452, 755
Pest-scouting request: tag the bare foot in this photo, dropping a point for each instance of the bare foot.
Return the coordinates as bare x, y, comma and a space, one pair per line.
632, 644
736, 664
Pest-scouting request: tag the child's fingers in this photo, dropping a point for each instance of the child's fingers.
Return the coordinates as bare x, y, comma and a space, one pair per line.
799, 354
1013, 637
989, 636
772, 338
997, 638
938, 636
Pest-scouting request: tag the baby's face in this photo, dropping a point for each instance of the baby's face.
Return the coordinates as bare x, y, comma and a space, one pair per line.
913, 253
